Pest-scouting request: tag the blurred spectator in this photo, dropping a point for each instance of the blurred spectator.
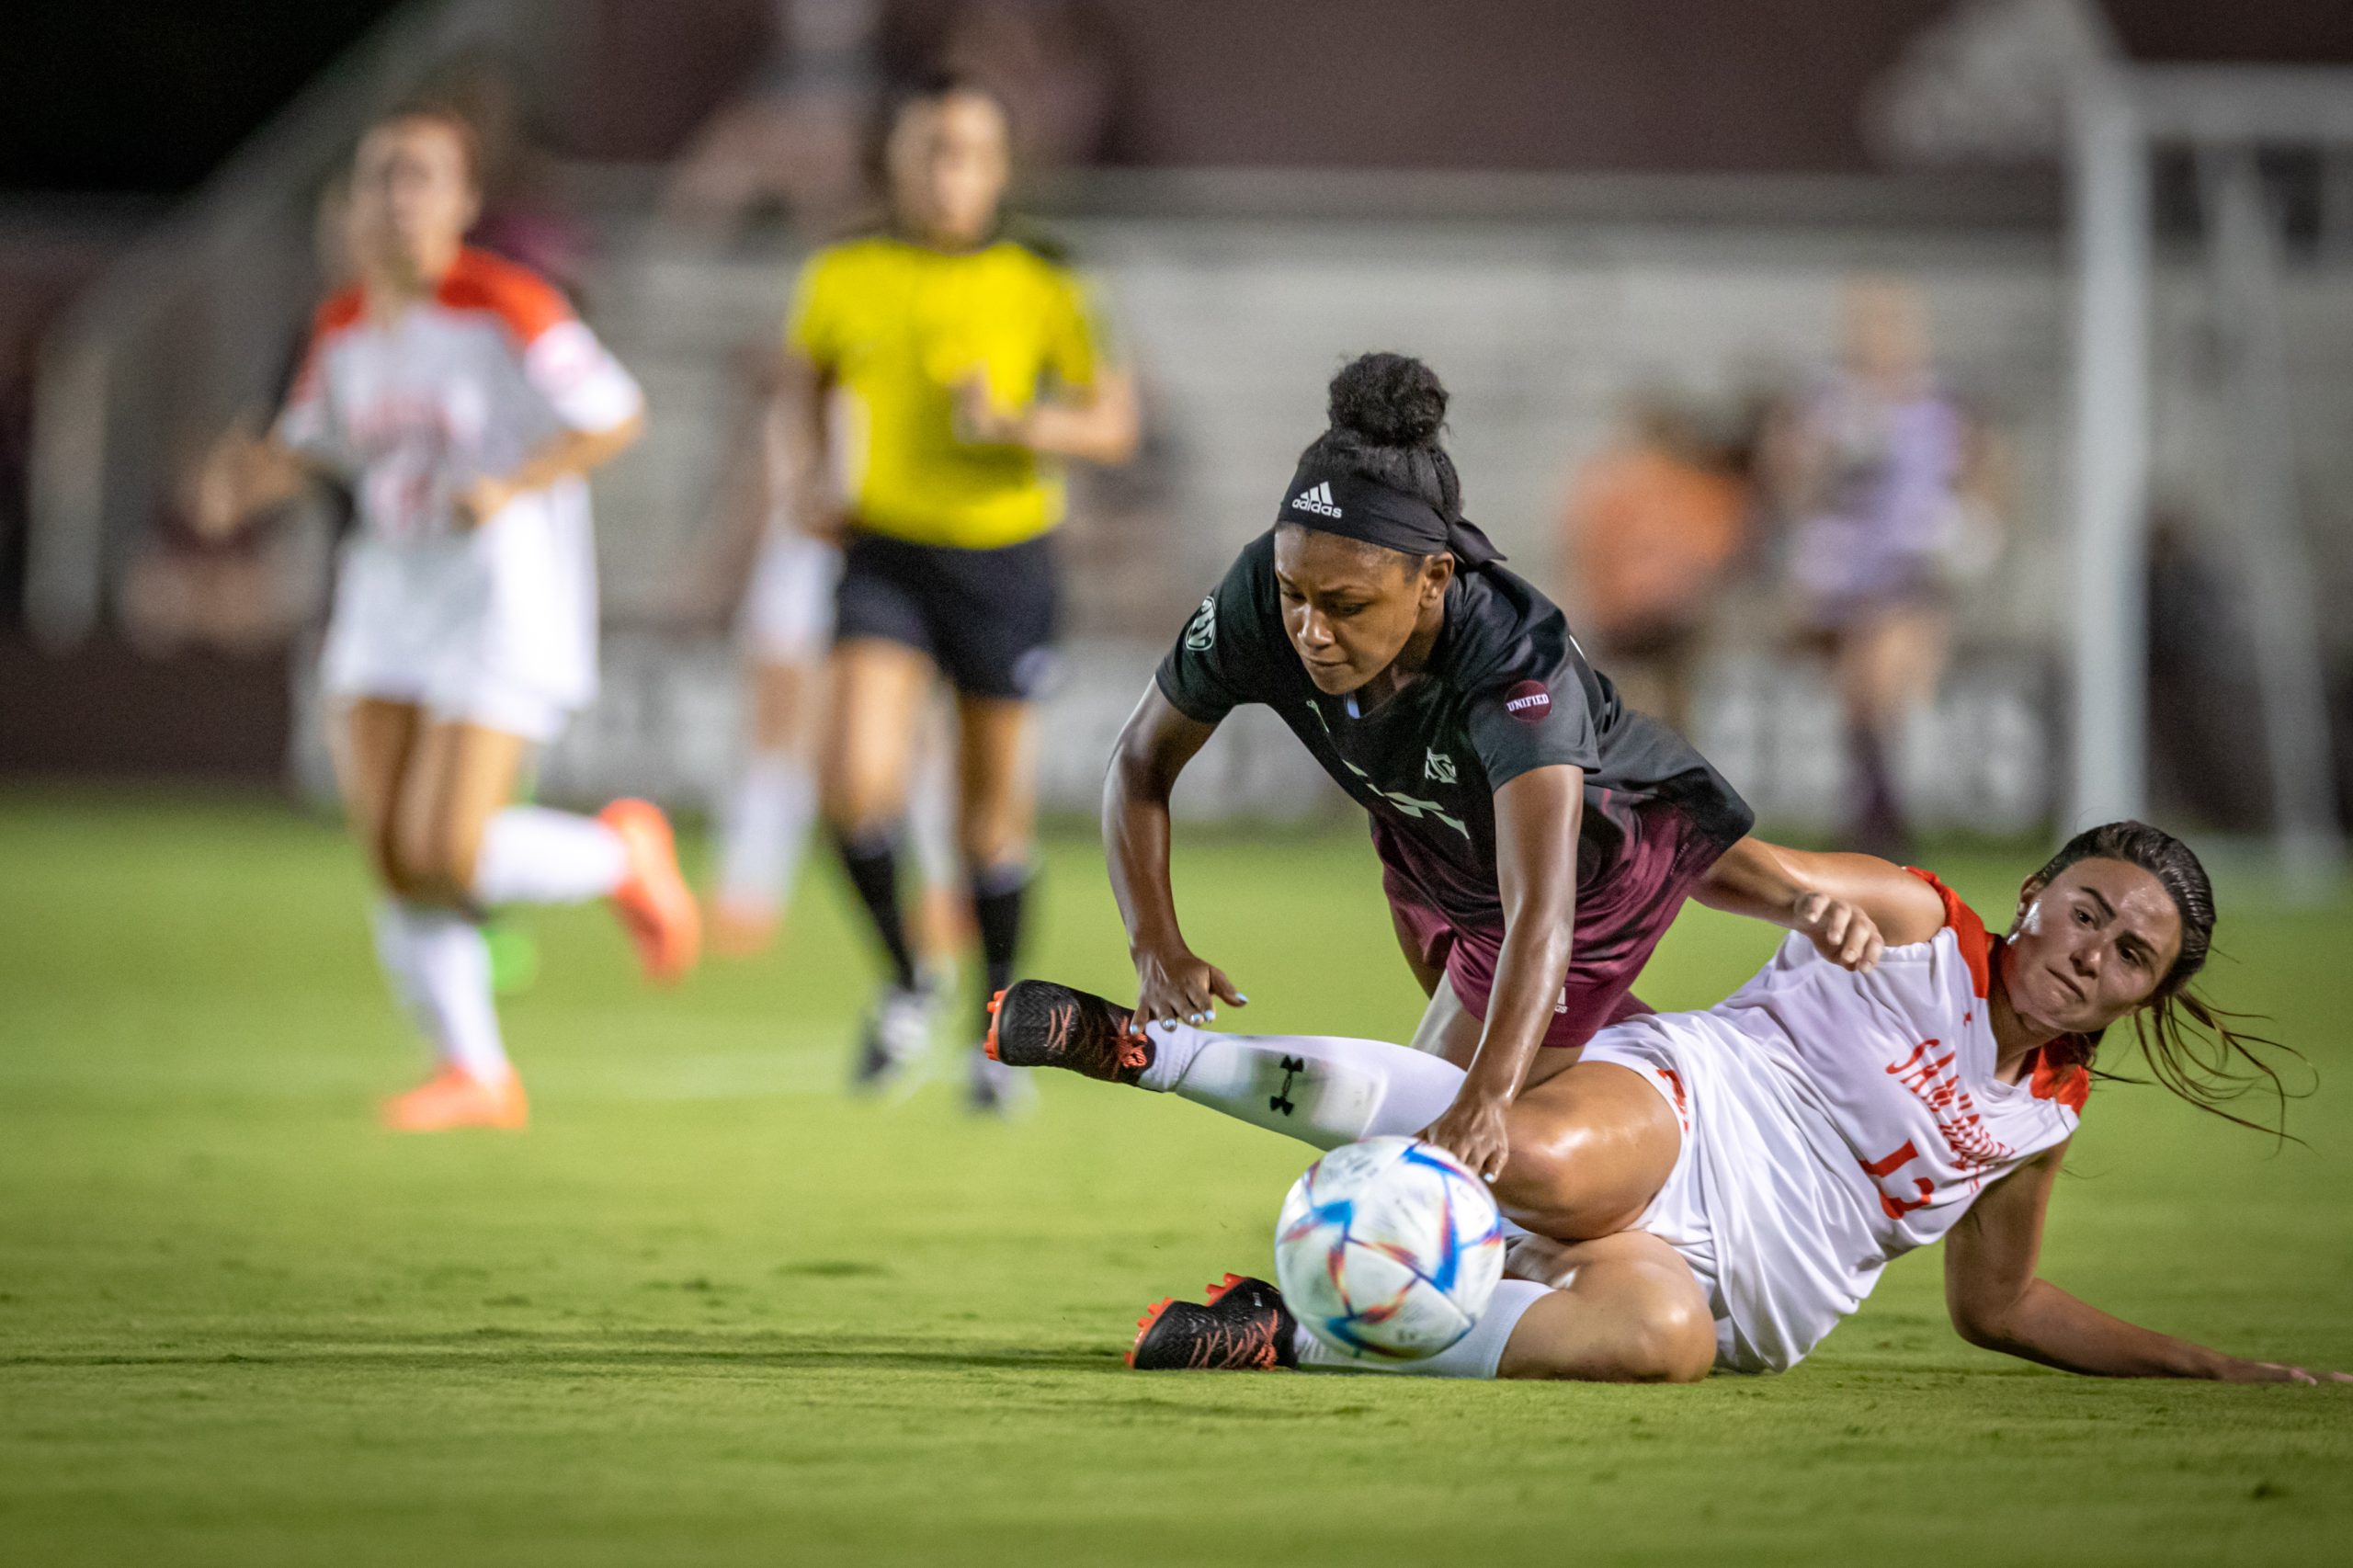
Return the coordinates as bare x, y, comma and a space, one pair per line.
1888, 488
795, 143
1055, 65
1651, 525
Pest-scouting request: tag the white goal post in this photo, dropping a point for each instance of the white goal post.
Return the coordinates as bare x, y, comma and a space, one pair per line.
2121, 116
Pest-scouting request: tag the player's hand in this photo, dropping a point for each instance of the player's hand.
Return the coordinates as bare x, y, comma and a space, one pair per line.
483, 500
1176, 987
1473, 1131
1839, 931
2238, 1371
220, 497
980, 422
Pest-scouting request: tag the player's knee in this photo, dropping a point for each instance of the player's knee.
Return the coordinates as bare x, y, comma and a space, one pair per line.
1675, 1341
1538, 1183
433, 861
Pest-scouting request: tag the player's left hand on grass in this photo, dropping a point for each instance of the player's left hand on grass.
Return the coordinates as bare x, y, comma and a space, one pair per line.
1839, 931
1473, 1131
2239, 1371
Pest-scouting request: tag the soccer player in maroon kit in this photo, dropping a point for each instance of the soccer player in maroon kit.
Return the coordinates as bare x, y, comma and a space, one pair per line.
1536, 837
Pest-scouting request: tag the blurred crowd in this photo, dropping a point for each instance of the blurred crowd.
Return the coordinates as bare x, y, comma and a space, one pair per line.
1863, 499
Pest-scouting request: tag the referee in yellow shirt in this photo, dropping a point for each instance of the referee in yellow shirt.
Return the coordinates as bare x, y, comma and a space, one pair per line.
947, 367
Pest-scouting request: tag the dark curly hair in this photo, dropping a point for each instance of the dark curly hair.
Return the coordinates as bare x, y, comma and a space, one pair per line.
2189, 1043
1386, 412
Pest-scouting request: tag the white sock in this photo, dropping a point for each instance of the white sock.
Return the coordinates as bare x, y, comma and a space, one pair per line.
390, 919
764, 826
450, 963
1323, 1089
1476, 1354
532, 855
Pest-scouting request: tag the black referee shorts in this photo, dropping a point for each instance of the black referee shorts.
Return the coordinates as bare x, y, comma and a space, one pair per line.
987, 618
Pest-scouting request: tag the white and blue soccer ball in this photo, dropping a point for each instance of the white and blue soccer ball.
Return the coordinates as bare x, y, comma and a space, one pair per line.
1388, 1250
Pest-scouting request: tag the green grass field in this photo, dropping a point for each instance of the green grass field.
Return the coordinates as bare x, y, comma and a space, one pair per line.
708, 1311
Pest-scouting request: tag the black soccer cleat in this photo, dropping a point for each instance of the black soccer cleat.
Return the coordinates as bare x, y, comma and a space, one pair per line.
1241, 1326
1035, 1023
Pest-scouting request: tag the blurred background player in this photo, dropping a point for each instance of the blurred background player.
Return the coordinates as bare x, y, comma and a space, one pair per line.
947, 367
785, 628
1887, 488
464, 403
1653, 524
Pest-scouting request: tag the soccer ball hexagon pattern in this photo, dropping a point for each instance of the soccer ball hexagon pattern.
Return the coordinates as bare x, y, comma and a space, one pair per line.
1388, 1250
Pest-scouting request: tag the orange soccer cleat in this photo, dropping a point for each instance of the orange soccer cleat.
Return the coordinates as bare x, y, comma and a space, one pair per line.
653, 902
453, 1097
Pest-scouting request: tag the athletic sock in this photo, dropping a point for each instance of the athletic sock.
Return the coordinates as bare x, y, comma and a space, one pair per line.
1476, 1354
764, 825
451, 966
998, 896
1323, 1089
390, 919
532, 854
872, 863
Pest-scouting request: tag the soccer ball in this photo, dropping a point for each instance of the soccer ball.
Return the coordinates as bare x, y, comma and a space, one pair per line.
1389, 1250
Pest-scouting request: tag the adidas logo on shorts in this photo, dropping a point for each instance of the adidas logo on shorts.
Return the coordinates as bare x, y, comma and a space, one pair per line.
1317, 498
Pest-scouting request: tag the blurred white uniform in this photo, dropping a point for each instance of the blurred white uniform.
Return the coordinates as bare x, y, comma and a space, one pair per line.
496, 625
1833, 1122
787, 613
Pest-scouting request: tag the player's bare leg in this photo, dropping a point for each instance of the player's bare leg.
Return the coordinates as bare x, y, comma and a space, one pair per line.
373, 740
1623, 1308
878, 690
432, 954
1590, 1147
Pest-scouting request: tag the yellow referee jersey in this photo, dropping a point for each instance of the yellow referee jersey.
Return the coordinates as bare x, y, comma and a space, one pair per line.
898, 327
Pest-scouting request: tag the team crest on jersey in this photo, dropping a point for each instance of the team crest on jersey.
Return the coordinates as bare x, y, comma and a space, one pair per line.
1528, 702
1437, 767
1202, 631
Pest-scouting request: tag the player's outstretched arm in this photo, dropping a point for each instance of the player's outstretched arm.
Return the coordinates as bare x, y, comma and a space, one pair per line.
1850, 906
1100, 422
1998, 1303
565, 455
1171, 983
1539, 817
241, 477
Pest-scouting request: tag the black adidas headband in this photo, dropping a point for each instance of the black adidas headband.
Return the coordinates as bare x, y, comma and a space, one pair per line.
1334, 502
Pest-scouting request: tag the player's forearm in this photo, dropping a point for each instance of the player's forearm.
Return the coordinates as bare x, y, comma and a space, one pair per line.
1136, 838
572, 453
1752, 879
2048, 1326
1103, 427
1529, 975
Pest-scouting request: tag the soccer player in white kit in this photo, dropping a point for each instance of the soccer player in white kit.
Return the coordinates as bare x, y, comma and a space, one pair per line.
785, 627
464, 403
1723, 1187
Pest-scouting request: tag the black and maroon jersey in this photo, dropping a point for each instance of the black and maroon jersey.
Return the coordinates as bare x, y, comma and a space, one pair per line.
1506, 690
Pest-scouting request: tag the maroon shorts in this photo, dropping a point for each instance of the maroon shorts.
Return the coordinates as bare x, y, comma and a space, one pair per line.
1618, 922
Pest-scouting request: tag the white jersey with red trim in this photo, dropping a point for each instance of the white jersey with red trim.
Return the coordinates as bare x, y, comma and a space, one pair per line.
1835, 1122
487, 623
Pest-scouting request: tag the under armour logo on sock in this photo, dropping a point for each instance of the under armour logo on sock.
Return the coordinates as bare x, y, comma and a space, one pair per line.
1280, 1099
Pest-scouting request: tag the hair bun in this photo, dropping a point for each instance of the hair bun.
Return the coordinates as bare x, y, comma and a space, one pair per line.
1389, 400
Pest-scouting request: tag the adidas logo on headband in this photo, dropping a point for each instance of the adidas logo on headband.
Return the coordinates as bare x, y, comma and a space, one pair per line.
1317, 498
